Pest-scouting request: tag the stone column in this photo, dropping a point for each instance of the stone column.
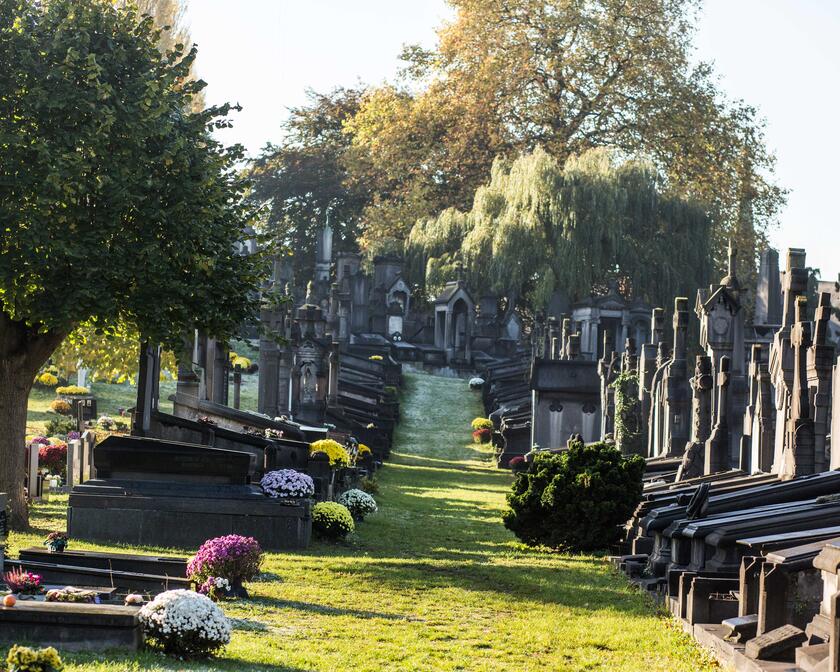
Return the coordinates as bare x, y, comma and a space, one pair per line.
835, 419
820, 362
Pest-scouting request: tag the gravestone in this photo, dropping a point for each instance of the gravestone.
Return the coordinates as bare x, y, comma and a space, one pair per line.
717, 446
676, 391
702, 384
168, 494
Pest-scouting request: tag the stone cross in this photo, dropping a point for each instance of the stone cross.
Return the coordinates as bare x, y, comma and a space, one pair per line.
798, 455
656, 424
607, 366
717, 445
702, 383
677, 395
781, 353
820, 363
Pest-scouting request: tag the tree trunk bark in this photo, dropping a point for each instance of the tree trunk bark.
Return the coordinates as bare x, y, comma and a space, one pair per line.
22, 352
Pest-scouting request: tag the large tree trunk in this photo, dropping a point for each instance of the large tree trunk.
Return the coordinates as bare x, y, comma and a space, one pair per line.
22, 352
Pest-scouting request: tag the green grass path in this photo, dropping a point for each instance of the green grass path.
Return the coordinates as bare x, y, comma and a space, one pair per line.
434, 581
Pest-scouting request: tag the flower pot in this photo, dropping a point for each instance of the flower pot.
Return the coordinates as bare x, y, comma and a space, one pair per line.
237, 590
56, 546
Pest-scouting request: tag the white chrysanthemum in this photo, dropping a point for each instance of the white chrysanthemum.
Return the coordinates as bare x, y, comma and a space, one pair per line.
185, 623
476, 382
358, 502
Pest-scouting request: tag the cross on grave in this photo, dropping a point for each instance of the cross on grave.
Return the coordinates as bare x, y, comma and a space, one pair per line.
717, 446
798, 457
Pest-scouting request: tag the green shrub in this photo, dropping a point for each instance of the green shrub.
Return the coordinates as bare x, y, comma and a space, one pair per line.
370, 485
332, 520
575, 500
60, 426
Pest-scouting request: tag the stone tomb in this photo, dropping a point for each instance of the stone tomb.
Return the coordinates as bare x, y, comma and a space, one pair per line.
566, 401
71, 627
160, 493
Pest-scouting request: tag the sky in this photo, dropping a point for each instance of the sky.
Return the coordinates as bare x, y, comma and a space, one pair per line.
781, 56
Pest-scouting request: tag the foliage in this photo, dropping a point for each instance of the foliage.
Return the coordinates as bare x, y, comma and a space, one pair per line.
370, 485
576, 499
517, 463
541, 226
241, 362
482, 435
111, 357
72, 595
72, 391
47, 379
54, 458
482, 423
332, 520
287, 483
215, 587
57, 541
185, 624
339, 457
458, 563
136, 196
61, 426
508, 76
364, 450
23, 582
630, 426
60, 406
358, 502
25, 659
304, 180
234, 557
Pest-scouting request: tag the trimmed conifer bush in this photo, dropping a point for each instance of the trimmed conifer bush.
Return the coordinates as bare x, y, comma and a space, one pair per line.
575, 500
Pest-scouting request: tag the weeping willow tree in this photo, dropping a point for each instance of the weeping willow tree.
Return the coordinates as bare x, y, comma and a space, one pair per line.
540, 226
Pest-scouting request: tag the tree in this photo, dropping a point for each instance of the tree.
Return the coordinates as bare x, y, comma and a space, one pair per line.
117, 205
303, 179
509, 76
540, 226
168, 15
111, 357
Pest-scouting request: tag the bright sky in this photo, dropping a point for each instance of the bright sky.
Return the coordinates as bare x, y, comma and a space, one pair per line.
781, 56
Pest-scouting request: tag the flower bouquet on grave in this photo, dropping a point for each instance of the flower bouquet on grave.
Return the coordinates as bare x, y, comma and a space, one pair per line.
23, 582
185, 624
482, 435
24, 659
216, 588
56, 542
234, 557
358, 503
289, 483
71, 594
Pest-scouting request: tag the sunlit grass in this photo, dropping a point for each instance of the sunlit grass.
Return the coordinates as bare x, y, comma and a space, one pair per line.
433, 581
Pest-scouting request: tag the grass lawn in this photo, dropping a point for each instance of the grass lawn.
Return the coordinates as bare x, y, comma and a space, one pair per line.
110, 398
432, 582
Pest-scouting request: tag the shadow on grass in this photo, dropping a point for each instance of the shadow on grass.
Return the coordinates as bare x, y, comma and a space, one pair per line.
323, 609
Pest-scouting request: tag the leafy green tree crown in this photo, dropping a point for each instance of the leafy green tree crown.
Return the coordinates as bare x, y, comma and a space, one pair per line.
117, 204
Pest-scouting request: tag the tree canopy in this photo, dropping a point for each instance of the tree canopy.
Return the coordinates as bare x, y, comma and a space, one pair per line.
118, 207
540, 225
305, 178
508, 76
